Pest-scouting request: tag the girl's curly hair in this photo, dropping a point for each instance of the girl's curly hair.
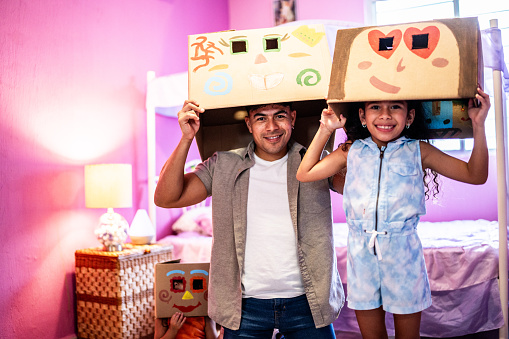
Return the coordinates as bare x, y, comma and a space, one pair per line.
418, 130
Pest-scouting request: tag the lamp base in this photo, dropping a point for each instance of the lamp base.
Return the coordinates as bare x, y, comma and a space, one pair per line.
112, 230
114, 248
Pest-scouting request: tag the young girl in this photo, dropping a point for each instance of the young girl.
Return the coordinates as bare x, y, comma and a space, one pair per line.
383, 199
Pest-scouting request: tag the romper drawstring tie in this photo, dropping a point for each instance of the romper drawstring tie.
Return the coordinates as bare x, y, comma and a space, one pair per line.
373, 242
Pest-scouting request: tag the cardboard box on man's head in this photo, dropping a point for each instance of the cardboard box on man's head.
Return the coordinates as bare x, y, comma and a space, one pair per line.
438, 61
234, 69
181, 287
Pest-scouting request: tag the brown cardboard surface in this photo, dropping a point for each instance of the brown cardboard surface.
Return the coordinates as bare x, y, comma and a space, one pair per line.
233, 69
191, 298
383, 63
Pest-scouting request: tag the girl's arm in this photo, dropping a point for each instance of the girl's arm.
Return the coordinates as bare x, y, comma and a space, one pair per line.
312, 168
159, 330
475, 171
210, 329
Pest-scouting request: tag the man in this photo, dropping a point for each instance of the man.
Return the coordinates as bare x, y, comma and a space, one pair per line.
273, 263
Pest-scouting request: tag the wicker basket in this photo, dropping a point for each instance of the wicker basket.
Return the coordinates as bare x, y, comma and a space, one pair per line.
115, 291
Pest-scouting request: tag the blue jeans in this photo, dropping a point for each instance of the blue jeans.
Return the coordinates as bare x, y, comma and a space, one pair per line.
291, 316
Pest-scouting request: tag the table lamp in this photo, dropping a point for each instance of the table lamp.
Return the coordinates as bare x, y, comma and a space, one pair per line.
109, 186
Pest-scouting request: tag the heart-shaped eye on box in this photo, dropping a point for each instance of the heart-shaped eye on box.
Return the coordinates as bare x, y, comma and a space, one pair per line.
384, 44
422, 42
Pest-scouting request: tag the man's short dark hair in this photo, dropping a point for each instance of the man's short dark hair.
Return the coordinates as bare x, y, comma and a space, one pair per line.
255, 107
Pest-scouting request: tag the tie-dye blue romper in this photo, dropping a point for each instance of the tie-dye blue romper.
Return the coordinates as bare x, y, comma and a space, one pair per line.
383, 199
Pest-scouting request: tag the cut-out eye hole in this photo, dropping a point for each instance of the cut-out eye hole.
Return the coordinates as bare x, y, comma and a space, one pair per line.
198, 284
420, 41
385, 44
238, 46
271, 44
178, 284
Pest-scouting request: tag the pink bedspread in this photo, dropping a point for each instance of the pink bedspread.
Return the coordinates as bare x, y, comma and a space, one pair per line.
458, 253
462, 262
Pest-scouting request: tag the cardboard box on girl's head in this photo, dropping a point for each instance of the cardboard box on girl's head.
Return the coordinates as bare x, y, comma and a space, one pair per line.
233, 69
439, 61
181, 288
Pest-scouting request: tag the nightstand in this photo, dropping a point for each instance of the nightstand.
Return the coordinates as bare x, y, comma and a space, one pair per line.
115, 291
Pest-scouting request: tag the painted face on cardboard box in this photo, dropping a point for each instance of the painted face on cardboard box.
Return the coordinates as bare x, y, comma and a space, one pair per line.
390, 60
437, 61
189, 289
239, 68
271, 127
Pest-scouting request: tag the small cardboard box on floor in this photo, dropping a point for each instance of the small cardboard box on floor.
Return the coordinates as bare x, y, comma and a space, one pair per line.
233, 69
439, 61
181, 287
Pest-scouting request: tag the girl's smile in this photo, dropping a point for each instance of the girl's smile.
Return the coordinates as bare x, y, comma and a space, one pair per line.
386, 120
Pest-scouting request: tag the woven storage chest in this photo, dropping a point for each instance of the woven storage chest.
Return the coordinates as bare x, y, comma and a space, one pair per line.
115, 291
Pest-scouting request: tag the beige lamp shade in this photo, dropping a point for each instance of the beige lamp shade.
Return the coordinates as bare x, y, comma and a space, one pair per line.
108, 186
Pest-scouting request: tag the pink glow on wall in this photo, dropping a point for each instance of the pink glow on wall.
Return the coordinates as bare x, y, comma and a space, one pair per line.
72, 84
260, 13
96, 135
343, 10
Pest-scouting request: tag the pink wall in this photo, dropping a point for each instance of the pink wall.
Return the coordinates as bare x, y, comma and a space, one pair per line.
72, 92
259, 14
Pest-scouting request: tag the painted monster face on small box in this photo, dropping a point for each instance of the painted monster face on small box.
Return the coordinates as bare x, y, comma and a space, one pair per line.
181, 288
438, 60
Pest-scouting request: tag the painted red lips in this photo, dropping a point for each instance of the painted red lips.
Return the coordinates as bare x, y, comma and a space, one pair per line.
186, 309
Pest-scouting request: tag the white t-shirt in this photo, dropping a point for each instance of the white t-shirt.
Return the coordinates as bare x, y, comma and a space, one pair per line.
271, 268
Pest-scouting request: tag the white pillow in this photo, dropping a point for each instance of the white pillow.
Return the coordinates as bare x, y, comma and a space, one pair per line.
198, 219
